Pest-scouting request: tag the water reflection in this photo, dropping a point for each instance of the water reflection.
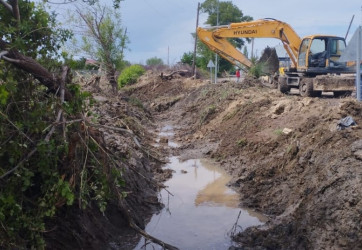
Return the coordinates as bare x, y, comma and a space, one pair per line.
216, 193
202, 211
166, 132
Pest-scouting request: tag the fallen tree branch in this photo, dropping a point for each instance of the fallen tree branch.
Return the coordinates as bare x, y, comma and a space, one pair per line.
32, 67
170, 76
123, 208
134, 139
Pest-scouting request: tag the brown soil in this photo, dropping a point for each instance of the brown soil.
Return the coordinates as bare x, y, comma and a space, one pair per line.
286, 156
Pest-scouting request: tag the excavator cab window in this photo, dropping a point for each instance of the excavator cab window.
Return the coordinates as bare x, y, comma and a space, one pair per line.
303, 52
336, 47
318, 52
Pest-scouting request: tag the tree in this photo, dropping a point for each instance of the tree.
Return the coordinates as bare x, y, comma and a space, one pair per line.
37, 37
228, 13
104, 39
154, 61
40, 151
188, 58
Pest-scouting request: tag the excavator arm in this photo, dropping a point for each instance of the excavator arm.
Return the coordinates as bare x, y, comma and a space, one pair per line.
223, 48
216, 39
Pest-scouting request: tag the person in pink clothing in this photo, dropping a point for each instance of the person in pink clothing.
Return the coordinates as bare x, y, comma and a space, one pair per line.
237, 74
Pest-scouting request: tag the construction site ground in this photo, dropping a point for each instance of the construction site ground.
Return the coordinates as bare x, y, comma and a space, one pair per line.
287, 157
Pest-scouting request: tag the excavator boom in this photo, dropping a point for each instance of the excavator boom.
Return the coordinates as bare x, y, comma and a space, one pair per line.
223, 48
217, 41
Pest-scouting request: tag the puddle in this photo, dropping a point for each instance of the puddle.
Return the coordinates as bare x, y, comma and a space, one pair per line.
167, 132
202, 212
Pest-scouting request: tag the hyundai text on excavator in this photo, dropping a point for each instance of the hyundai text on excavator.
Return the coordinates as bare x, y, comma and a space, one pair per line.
315, 67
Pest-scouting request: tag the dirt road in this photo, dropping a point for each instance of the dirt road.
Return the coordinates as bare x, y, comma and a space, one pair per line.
286, 156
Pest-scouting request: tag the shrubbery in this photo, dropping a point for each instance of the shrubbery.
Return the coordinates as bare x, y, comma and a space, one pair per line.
130, 75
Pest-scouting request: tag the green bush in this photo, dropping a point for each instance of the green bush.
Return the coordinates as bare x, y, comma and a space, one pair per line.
130, 75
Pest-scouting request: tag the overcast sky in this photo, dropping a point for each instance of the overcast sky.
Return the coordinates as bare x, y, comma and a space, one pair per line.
154, 26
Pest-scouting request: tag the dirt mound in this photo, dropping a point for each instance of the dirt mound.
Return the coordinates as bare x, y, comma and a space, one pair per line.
285, 153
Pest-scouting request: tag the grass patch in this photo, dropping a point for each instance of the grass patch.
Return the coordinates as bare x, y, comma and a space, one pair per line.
278, 131
242, 142
136, 102
207, 113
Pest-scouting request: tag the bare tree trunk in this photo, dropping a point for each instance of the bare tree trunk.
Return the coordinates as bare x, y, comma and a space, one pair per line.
112, 80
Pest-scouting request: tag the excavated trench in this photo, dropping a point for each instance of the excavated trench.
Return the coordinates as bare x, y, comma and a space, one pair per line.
200, 211
285, 156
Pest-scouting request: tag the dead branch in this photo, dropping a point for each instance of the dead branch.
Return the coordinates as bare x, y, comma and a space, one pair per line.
32, 67
170, 76
124, 210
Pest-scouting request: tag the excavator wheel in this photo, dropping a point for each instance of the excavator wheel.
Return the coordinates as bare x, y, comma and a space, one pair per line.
282, 84
306, 88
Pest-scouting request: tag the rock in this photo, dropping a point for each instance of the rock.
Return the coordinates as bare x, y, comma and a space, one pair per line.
287, 131
358, 154
357, 145
100, 98
163, 140
183, 171
307, 101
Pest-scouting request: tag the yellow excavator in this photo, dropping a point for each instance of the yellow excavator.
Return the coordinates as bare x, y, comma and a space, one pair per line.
315, 67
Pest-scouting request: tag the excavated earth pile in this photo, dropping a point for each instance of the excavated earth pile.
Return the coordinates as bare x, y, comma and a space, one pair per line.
126, 130
287, 156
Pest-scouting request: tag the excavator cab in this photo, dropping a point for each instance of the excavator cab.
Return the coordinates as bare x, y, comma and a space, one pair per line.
319, 54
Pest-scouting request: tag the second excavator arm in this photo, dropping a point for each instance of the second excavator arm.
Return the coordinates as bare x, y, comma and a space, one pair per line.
216, 38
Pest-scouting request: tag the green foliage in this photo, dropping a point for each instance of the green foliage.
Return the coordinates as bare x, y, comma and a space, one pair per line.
105, 38
242, 142
256, 69
3, 95
130, 75
38, 35
154, 61
187, 58
33, 187
278, 131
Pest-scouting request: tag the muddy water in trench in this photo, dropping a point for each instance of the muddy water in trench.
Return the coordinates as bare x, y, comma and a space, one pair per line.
202, 211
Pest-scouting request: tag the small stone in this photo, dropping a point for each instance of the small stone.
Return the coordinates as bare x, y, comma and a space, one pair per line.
163, 140
287, 131
358, 154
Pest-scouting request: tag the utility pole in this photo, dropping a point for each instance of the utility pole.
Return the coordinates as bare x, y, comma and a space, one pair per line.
252, 48
168, 56
358, 64
197, 25
217, 24
358, 61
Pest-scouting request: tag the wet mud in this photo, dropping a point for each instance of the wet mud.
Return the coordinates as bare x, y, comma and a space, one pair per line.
285, 155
